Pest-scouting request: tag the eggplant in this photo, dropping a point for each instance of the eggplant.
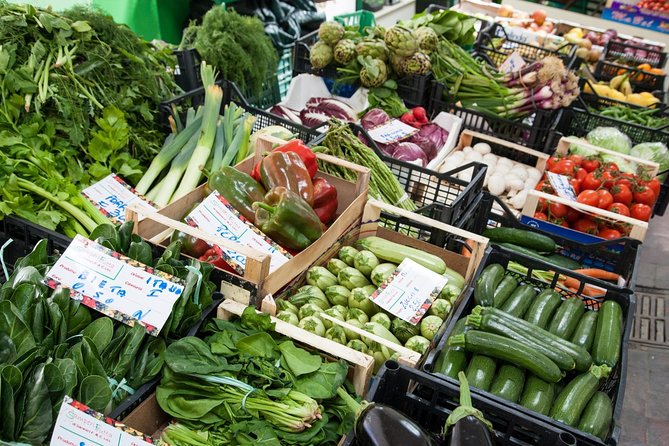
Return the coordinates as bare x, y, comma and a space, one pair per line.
380, 425
468, 426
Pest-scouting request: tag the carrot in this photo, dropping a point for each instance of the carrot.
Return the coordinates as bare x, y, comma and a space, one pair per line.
658, 71
467, 248
573, 284
598, 273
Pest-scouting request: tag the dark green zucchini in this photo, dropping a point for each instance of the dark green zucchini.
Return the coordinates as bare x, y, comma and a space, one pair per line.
508, 383
521, 237
484, 290
584, 334
520, 300
504, 290
481, 371
542, 308
452, 360
609, 334
571, 401
597, 416
538, 395
566, 318
554, 259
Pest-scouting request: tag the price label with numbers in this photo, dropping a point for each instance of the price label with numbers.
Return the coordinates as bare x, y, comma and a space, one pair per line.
392, 131
116, 285
512, 63
112, 196
409, 292
79, 425
216, 216
562, 186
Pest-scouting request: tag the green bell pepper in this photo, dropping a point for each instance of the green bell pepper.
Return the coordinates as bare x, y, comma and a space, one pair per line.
239, 189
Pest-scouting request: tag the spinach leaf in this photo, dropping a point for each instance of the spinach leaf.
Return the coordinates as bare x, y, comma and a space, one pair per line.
94, 392
38, 256
8, 418
298, 360
26, 274
124, 235
179, 399
256, 432
11, 323
259, 345
323, 383
192, 355
56, 384
140, 251
68, 370
37, 417
100, 332
7, 349
106, 232
80, 317
57, 322
13, 376
119, 365
256, 321
224, 342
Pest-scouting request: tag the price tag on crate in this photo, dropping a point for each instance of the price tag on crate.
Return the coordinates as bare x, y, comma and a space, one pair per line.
112, 196
116, 285
409, 292
78, 424
562, 186
216, 216
392, 131
512, 63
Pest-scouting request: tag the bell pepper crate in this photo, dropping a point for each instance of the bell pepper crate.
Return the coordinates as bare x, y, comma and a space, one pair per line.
520, 155
413, 230
613, 385
257, 279
620, 256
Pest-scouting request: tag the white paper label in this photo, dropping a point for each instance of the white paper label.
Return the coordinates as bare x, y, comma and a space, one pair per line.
392, 131
216, 216
512, 63
78, 425
116, 285
112, 196
409, 292
562, 186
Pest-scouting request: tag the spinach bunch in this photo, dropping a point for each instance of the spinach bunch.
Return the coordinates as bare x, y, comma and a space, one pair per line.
243, 386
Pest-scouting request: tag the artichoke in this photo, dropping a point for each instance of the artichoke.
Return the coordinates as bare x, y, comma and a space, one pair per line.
344, 51
374, 72
396, 65
331, 32
376, 49
320, 55
401, 41
416, 64
427, 39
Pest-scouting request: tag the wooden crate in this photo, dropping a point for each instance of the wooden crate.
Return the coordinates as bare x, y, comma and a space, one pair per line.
371, 227
257, 281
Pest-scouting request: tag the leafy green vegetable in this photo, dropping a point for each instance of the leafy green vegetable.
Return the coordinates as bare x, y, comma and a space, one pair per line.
297, 360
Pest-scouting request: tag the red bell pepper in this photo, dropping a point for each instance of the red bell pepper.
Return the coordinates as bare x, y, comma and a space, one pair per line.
214, 255
325, 200
305, 153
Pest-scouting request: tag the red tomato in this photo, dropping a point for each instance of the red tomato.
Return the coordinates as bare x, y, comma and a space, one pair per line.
576, 159
655, 185
544, 186
589, 197
611, 167
581, 173
605, 199
551, 162
607, 179
576, 185
628, 179
543, 205
591, 181
622, 194
619, 208
558, 210
540, 216
610, 234
564, 167
590, 165
645, 195
641, 211
572, 215
586, 225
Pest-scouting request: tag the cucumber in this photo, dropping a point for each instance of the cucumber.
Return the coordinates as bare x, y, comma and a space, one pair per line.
581, 357
484, 290
493, 323
571, 401
584, 334
596, 418
566, 318
542, 308
505, 288
538, 395
509, 350
508, 383
521, 237
609, 334
481, 371
553, 259
520, 301
396, 253
452, 360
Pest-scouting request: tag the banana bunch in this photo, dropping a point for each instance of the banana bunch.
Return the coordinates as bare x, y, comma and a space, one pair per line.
620, 89
622, 84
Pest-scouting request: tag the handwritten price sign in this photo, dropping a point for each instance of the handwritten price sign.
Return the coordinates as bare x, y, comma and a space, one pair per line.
392, 131
116, 285
112, 196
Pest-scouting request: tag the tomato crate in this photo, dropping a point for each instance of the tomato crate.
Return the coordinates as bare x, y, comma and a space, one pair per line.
429, 400
613, 386
425, 186
625, 52
639, 79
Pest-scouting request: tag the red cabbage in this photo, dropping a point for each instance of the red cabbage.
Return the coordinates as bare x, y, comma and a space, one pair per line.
431, 138
374, 118
408, 151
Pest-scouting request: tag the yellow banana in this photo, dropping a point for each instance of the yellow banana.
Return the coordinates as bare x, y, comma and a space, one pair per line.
626, 87
617, 81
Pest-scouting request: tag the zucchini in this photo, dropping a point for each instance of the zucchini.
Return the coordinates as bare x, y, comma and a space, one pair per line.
505, 288
609, 334
571, 401
492, 323
396, 253
584, 334
596, 418
484, 290
566, 318
521, 237
520, 301
509, 350
542, 308
508, 383
553, 259
538, 395
481, 371
452, 360
581, 357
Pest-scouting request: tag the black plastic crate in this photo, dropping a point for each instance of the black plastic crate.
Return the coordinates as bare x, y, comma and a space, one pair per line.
625, 52
614, 385
639, 79
231, 93
619, 256
495, 44
533, 131
429, 401
424, 186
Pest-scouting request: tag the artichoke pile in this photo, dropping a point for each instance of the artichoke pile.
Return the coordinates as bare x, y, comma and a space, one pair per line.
382, 53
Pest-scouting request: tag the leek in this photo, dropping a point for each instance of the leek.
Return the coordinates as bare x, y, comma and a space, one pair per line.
219, 147
164, 195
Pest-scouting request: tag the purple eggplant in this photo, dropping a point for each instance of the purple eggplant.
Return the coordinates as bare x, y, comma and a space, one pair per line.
467, 424
380, 425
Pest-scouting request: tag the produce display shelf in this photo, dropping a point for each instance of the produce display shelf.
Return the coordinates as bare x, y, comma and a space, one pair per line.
613, 386
624, 51
639, 79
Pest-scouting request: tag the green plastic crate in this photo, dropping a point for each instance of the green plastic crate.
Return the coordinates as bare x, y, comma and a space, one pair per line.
361, 19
